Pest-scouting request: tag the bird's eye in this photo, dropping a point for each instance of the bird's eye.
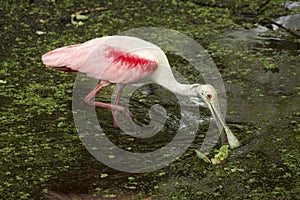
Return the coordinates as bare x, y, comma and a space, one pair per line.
209, 96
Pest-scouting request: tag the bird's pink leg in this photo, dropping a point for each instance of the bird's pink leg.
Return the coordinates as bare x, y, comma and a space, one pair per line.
115, 107
120, 88
101, 104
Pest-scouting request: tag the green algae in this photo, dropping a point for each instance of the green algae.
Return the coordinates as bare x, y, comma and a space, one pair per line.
40, 150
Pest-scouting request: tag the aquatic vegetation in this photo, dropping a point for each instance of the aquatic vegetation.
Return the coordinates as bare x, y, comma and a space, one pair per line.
221, 155
40, 150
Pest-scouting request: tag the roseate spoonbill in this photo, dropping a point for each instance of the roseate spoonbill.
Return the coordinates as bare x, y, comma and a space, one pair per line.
125, 60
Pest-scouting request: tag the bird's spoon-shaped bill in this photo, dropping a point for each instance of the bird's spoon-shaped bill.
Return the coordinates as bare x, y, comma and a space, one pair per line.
215, 110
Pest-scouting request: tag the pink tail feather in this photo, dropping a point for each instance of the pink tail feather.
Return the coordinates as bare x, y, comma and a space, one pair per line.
61, 57
70, 58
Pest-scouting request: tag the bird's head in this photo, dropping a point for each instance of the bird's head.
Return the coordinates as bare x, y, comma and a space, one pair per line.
209, 95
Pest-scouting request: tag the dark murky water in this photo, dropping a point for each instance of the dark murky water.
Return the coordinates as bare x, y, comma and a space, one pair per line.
41, 152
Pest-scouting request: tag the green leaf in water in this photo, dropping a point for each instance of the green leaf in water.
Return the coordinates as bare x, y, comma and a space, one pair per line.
130, 178
222, 153
103, 175
76, 19
81, 17
219, 157
202, 156
215, 161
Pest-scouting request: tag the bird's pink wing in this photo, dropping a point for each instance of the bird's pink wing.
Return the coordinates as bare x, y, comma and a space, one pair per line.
127, 67
117, 59
73, 56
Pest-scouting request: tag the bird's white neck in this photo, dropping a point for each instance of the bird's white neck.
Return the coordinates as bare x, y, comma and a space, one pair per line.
165, 78
179, 88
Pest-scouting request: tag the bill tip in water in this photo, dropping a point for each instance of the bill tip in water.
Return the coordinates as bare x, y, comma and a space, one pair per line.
233, 142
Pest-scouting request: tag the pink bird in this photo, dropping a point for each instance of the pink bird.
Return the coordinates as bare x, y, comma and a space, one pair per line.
126, 60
